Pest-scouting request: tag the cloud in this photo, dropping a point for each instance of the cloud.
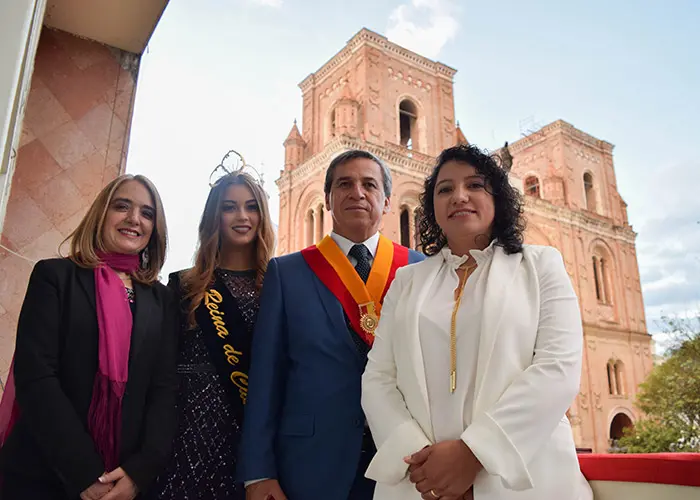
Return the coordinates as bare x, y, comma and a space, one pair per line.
423, 26
268, 3
668, 245
674, 293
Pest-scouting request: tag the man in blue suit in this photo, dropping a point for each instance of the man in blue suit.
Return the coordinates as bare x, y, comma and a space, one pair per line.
305, 436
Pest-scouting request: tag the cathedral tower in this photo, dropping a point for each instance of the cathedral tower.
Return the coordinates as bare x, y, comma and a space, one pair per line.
372, 95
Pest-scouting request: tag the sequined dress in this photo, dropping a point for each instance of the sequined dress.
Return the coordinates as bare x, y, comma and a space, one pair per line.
203, 465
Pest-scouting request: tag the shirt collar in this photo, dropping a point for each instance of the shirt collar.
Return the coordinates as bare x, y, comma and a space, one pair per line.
480, 256
345, 244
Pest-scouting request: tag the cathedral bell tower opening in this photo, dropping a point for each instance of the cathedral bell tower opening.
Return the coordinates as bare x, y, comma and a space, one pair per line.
408, 117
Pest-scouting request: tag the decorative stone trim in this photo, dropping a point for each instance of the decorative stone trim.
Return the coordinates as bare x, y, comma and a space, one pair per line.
561, 127
397, 157
370, 38
416, 83
600, 226
615, 332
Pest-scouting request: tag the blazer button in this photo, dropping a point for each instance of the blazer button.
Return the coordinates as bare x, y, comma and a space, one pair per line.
358, 422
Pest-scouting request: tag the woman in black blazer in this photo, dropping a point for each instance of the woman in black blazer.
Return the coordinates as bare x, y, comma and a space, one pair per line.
94, 365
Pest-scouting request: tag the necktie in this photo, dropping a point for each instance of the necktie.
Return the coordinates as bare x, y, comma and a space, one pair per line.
362, 256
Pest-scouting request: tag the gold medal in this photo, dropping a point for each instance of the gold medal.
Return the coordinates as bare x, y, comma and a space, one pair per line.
368, 318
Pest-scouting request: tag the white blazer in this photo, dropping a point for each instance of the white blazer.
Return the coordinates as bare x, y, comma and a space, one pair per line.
528, 371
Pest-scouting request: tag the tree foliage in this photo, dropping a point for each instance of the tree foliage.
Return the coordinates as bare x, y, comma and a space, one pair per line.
670, 397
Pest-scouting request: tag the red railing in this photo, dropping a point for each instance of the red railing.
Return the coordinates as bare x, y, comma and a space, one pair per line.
681, 469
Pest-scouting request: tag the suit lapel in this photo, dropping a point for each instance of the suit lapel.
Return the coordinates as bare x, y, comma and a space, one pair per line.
145, 307
498, 285
145, 304
86, 279
336, 315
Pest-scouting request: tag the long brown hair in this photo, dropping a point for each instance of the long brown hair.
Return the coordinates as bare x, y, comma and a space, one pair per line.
87, 239
208, 256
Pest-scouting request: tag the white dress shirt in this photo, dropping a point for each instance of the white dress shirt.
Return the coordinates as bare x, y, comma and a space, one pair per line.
449, 411
345, 245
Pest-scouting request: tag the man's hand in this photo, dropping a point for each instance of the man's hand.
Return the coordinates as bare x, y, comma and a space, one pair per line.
96, 491
268, 489
124, 487
445, 470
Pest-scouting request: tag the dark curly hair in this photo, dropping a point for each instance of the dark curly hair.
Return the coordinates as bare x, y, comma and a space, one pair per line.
508, 222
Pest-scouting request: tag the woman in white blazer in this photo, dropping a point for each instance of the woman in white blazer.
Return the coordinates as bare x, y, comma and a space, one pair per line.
477, 355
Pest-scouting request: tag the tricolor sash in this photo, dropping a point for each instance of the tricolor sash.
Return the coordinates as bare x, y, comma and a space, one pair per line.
227, 340
361, 302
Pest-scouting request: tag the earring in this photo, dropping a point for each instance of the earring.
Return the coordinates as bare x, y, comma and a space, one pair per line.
144, 258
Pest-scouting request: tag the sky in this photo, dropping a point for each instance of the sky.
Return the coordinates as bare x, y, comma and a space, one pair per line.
224, 74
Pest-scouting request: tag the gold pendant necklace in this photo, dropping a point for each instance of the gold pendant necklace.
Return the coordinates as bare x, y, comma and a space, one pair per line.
453, 328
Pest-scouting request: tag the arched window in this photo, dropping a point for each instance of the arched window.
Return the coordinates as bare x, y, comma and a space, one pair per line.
405, 227
616, 377
617, 428
310, 223
408, 117
590, 193
602, 277
333, 123
532, 186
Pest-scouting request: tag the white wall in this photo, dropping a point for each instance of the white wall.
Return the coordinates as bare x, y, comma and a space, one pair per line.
20, 26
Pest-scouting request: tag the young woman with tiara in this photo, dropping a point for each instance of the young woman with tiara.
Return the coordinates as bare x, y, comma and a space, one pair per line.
219, 303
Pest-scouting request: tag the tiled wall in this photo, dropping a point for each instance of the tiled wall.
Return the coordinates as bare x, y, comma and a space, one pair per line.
74, 141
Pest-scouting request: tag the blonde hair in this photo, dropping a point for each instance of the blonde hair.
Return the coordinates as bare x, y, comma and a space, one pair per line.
208, 256
87, 240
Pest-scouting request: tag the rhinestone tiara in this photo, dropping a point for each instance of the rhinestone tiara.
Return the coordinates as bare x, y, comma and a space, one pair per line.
234, 163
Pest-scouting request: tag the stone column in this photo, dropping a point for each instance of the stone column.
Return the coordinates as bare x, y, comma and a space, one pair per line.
620, 378
318, 217
598, 269
310, 228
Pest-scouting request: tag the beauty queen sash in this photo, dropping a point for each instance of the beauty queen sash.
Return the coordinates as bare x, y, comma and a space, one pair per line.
227, 339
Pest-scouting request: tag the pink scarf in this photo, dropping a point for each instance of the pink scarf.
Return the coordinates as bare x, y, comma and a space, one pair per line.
115, 322
8, 407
